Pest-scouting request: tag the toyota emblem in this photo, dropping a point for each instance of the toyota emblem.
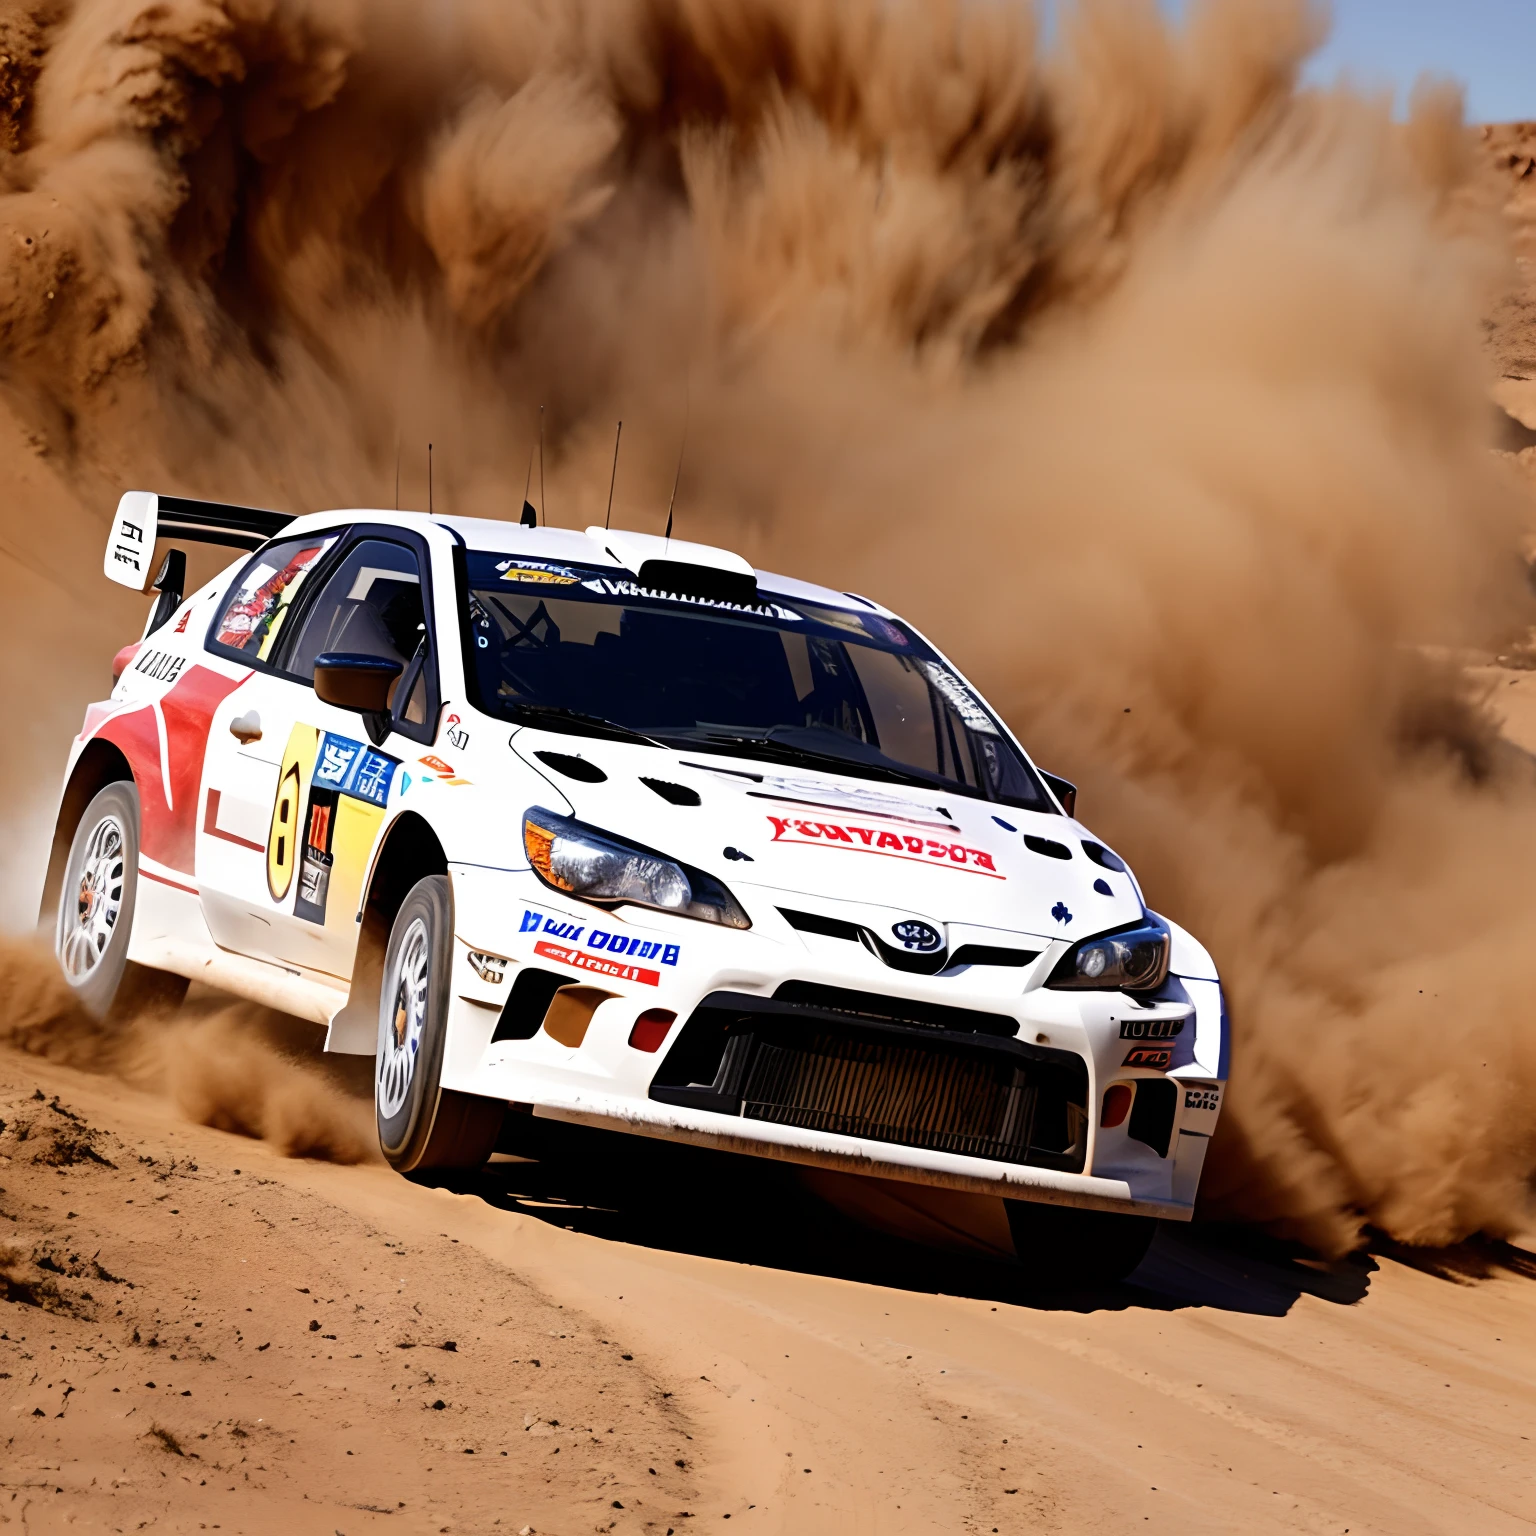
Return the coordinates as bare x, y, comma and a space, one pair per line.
924, 938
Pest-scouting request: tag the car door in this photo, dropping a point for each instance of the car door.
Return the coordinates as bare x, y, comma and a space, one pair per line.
295, 790
245, 741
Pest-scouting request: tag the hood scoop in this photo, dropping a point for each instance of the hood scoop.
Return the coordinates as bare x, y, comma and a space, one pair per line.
680, 567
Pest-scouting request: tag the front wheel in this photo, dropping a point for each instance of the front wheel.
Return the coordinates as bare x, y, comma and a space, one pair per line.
421, 1124
1061, 1248
95, 919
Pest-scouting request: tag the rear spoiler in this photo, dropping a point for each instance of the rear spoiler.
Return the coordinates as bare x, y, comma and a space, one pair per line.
144, 516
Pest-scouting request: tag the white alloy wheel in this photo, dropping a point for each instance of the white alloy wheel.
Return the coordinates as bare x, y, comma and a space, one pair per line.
97, 897
423, 1125
93, 900
403, 1023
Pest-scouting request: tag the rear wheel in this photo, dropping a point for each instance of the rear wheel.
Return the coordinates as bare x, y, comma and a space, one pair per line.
1061, 1248
423, 1125
95, 919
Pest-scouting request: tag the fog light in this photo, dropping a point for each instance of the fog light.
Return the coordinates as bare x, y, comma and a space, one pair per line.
491, 968
650, 1029
1117, 1104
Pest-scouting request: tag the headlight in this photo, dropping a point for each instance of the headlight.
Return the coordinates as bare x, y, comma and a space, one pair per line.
597, 866
1133, 959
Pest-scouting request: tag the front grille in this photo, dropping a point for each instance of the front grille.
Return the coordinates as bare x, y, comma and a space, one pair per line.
909, 1084
894, 1093
924, 965
894, 1010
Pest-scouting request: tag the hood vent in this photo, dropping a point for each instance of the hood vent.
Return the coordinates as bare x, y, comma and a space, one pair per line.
1048, 846
572, 767
673, 794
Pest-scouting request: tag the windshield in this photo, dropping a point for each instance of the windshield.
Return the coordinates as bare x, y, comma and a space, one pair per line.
783, 680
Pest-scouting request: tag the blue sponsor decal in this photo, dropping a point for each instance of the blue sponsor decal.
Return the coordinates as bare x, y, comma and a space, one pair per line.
1060, 912
641, 949
536, 922
600, 939
350, 768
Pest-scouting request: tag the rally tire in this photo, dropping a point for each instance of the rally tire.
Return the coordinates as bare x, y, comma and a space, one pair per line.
1061, 1248
421, 1124
95, 916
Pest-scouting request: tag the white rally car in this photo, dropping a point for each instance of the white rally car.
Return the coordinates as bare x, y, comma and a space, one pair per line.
618, 831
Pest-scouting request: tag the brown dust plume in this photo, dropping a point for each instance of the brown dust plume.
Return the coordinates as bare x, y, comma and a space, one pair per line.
218, 1065
1146, 381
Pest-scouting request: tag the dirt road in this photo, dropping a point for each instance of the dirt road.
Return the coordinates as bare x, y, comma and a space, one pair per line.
201, 1334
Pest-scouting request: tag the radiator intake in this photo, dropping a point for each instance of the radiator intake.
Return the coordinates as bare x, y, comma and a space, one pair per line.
909, 1085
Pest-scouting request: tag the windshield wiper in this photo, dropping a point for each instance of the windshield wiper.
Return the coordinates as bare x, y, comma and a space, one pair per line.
789, 752
575, 721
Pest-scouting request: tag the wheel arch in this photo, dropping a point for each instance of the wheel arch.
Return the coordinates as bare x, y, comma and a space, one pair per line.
409, 852
100, 763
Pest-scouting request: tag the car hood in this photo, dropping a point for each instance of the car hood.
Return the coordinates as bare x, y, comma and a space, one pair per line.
798, 831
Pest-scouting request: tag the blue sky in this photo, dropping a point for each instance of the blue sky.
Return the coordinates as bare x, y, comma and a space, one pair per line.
1488, 45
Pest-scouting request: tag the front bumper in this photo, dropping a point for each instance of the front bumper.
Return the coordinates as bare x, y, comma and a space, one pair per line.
594, 1076
849, 1154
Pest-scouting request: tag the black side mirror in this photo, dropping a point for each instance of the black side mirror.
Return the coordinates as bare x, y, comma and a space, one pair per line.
171, 584
361, 683
1064, 790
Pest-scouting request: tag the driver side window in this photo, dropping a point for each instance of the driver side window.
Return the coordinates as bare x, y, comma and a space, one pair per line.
373, 605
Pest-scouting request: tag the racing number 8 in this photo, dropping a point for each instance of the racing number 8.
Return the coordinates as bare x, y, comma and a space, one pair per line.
283, 839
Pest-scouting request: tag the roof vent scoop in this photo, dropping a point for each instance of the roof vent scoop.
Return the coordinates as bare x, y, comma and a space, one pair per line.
674, 565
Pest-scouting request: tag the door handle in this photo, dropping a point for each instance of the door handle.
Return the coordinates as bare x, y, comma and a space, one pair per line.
246, 728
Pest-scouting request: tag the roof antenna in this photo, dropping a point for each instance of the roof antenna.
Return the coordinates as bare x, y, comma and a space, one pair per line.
429, 479
397, 440
530, 518
544, 505
608, 517
678, 477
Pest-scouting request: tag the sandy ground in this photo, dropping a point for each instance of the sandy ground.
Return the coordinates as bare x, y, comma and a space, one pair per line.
201, 1334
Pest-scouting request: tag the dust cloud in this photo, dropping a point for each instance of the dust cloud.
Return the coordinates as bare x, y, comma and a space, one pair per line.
1145, 380
218, 1065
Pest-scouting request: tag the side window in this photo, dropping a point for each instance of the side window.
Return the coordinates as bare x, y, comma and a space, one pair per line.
371, 606
264, 594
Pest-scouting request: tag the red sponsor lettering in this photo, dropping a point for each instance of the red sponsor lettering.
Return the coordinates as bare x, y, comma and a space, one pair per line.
599, 963
888, 844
